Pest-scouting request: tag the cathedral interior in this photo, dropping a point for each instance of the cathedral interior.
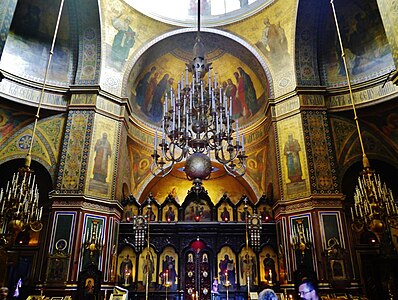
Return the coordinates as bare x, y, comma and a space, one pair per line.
113, 187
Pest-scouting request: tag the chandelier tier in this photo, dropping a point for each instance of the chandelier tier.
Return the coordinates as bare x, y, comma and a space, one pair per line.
374, 204
197, 124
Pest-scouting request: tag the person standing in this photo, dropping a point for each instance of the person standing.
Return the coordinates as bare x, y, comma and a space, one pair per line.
267, 294
3, 293
308, 290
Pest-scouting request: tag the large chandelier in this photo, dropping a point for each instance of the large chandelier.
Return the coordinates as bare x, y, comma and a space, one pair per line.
19, 202
374, 206
373, 201
197, 124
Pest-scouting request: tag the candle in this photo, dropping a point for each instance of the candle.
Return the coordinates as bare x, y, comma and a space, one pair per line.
209, 82
179, 117
155, 144
2, 200
237, 132
230, 106
213, 101
184, 104
217, 122
270, 276
186, 76
201, 92
221, 122
174, 115
228, 117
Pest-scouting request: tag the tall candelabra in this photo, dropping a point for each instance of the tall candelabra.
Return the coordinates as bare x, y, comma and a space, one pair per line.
197, 123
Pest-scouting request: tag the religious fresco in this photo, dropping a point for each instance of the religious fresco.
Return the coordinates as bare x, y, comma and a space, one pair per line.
248, 267
225, 213
226, 267
104, 152
256, 167
11, 121
242, 213
147, 267
366, 47
140, 160
25, 54
293, 157
239, 75
126, 266
153, 213
271, 33
129, 212
197, 210
170, 213
126, 30
273, 42
390, 18
169, 267
268, 263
